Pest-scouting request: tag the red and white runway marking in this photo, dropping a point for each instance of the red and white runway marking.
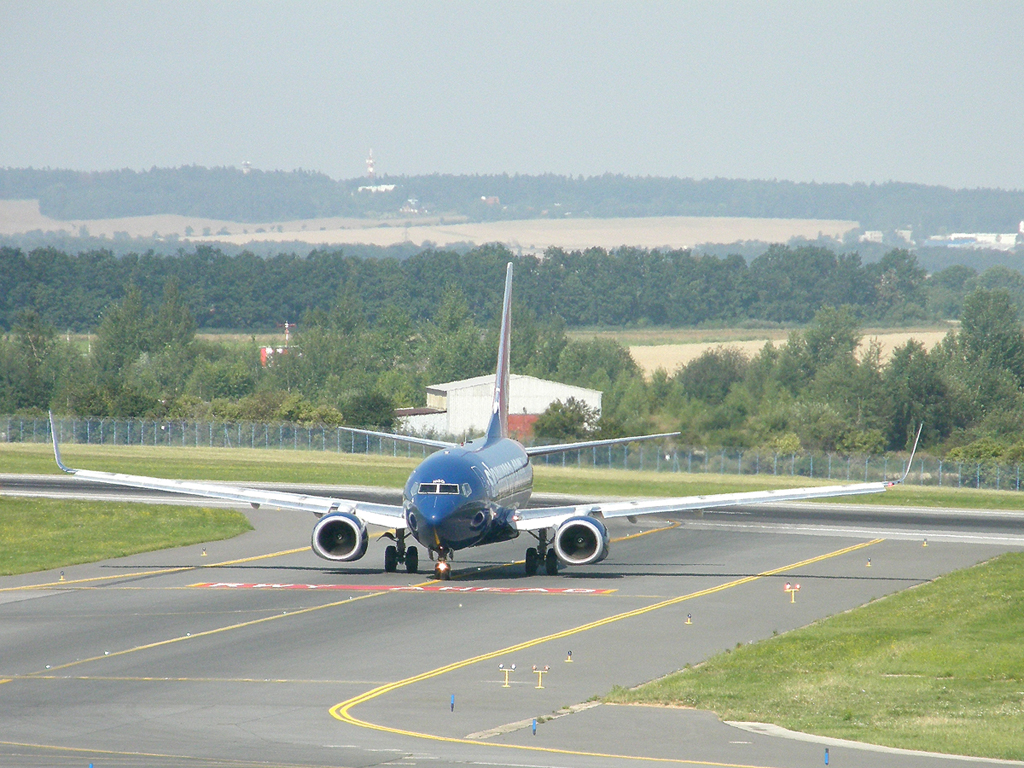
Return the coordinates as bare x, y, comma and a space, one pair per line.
407, 588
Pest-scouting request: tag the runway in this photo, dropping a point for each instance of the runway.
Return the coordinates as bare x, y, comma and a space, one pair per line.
261, 654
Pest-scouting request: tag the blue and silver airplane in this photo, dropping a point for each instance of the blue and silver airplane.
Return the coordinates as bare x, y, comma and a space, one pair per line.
471, 494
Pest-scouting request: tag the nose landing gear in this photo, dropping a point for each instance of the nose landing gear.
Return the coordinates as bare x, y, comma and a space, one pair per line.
442, 568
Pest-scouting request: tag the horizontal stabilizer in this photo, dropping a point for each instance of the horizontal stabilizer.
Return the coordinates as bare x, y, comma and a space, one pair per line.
543, 450
401, 438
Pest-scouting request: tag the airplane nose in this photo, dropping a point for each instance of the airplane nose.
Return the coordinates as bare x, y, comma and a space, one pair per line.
452, 525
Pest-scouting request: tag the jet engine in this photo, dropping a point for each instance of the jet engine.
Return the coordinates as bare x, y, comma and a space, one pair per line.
339, 536
581, 541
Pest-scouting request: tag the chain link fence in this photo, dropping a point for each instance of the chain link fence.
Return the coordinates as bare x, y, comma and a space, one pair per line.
656, 456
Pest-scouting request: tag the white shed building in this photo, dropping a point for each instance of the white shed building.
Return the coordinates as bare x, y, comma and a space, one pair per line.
462, 408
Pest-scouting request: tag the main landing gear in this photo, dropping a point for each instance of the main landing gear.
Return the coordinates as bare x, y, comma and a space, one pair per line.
541, 554
398, 553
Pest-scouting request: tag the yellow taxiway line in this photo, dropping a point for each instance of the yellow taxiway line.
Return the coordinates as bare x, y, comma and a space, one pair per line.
342, 710
158, 572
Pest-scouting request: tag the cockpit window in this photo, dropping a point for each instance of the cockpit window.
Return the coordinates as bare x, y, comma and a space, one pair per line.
438, 488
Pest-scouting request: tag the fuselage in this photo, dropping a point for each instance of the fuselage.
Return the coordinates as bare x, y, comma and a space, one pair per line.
465, 496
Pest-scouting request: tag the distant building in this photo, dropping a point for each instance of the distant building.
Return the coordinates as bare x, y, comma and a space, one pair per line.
980, 240
462, 408
871, 236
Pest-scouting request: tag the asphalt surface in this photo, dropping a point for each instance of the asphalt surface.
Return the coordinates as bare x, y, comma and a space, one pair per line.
258, 653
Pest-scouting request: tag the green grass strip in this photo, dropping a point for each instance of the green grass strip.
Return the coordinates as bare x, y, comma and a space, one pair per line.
938, 668
38, 534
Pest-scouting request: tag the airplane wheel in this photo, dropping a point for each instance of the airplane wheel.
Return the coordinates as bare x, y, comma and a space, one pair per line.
391, 559
532, 561
412, 560
551, 563
442, 574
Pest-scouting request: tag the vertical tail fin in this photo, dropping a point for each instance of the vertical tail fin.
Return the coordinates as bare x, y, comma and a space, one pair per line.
497, 427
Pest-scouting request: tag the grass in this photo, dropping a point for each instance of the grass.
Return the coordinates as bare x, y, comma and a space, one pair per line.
938, 668
223, 464
239, 465
38, 534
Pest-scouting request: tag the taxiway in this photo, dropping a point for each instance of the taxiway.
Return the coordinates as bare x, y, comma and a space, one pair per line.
259, 654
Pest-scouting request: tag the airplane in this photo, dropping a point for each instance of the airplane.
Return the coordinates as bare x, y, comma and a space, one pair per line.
473, 494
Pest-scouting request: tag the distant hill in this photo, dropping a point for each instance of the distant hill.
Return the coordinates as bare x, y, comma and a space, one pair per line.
263, 196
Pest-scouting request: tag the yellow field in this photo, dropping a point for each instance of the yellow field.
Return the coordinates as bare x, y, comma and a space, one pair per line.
528, 236
670, 348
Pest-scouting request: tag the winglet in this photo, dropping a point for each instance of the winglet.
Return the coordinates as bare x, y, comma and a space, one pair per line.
56, 448
910, 461
497, 427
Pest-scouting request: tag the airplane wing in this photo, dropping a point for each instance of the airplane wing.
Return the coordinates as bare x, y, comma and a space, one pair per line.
552, 517
386, 515
541, 450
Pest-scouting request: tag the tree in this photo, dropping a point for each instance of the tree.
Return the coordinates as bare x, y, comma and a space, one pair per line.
710, 376
370, 409
990, 333
124, 333
571, 420
915, 393
899, 287
174, 324
832, 335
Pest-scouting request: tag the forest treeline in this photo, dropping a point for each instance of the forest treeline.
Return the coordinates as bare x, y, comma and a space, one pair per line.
274, 196
350, 365
628, 286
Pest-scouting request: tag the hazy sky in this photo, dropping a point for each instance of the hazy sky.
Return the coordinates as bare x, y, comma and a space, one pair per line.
862, 91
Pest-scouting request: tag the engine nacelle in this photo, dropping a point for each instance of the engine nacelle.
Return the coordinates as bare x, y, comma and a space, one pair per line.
581, 541
339, 536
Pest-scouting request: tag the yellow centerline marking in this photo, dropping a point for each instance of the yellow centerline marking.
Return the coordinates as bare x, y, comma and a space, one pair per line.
208, 760
138, 679
158, 572
208, 632
342, 710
